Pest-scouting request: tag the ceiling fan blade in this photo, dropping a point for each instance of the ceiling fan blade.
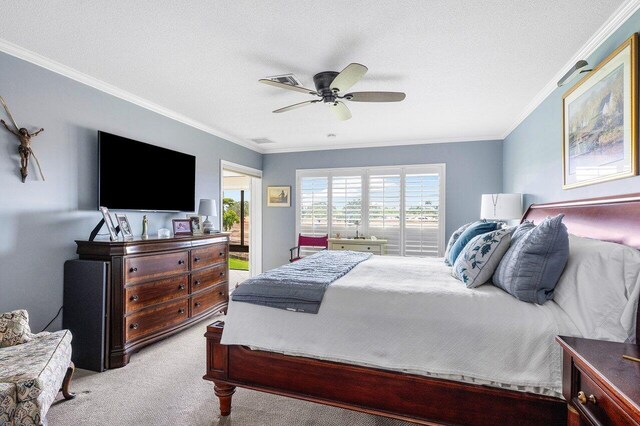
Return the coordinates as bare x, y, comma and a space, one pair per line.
288, 86
340, 110
348, 77
375, 96
294, 106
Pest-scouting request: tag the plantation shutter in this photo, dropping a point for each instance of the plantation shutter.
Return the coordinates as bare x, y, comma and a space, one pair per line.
314, 202
385, 194
422, 214
346, 205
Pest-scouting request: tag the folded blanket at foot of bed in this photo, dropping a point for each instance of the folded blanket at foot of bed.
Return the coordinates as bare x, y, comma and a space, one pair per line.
299, 286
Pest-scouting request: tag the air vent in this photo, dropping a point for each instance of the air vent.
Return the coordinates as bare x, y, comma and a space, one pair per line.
286, 79
262, 141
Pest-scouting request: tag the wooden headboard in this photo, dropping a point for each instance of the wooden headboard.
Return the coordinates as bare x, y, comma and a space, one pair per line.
615, 219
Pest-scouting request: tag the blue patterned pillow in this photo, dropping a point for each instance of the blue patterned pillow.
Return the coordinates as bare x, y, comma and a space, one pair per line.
532, 266
476, 228
454, 237
480, 258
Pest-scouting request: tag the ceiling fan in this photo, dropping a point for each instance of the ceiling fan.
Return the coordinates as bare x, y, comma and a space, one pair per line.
329, 87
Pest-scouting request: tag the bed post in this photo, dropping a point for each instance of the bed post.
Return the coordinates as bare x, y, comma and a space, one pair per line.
217, 366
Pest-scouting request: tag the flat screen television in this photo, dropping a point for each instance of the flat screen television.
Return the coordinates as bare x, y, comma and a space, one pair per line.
133, 175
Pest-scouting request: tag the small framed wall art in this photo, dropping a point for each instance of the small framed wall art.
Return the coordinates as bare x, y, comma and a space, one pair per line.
600, 121
125, 227
181, 227
196, 224
279, 196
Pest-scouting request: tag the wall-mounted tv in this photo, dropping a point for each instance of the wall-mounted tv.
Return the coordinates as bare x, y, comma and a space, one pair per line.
134, 175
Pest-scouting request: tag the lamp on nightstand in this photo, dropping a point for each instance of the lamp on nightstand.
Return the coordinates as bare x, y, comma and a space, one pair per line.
208, 208
501, 207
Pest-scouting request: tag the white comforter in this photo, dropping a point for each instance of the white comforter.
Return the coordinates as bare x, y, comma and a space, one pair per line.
409, 314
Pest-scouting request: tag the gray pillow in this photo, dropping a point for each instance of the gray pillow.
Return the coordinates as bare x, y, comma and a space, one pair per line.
454, 237
481, 256
532, 266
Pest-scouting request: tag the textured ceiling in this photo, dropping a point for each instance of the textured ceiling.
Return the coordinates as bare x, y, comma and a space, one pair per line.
469, 68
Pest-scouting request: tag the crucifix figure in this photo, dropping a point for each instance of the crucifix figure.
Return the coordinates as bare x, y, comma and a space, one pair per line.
24, 149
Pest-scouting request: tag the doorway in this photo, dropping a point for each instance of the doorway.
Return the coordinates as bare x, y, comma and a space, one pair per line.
241, 189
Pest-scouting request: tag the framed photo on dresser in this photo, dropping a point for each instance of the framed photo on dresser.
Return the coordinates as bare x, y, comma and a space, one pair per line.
181, 227
600, 121
125, 226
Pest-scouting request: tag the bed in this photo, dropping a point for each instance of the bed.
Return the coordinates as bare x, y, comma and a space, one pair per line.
391, 379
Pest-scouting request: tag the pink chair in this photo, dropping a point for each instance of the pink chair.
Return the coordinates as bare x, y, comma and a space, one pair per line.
306, 241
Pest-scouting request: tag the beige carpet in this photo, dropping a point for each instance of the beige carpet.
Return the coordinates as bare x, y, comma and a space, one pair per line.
162, 385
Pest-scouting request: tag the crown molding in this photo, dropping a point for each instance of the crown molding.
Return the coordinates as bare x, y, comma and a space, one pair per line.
37, 59
381, 144
619, 17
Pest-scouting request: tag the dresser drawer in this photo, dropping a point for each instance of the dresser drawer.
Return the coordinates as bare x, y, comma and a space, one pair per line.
207, 299
156, 318
142, 295
207, 256
149, 267
375, 249
208, 277
596, 405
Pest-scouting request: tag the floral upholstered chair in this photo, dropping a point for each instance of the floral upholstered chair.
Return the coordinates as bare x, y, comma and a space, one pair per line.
33, 369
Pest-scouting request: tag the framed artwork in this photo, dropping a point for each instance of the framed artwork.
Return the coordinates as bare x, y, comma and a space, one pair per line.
196, 224
279, 196
108, 221
600, 121
125, 227
181, 226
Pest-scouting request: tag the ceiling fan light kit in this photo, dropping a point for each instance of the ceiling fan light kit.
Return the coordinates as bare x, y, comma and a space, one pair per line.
329, 86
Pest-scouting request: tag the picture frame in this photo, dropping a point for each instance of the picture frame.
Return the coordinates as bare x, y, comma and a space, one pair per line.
600, 121
108, 221
125, 226
279, 196
181, 227
196, 224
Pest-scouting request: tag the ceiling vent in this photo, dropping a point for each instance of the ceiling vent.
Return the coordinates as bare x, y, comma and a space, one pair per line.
286, 79
262, 141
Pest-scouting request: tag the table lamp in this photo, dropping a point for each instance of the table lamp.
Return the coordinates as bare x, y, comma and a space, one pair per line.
208, 208
501, 207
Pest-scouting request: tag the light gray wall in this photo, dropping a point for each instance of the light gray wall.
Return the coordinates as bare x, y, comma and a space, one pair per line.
533, 151
39, 221
473, 168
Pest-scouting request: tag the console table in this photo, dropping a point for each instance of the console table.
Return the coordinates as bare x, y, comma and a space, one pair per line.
154, 287
364, 245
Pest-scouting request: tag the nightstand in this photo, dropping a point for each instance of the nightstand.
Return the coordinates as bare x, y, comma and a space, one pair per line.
601, 387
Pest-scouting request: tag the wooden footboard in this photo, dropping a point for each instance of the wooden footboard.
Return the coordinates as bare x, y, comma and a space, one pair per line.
398, 395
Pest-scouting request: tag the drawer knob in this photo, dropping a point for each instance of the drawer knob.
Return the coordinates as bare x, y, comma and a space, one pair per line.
342, 247
196, 259
134, 298
133, 269
583, 398
221, 293
181, 287
222, 274
181, 311
134, 326
368, 248
196, 282
180, 262
221, 253
198, 304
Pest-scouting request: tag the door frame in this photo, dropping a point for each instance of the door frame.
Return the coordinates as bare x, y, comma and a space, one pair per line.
255, 218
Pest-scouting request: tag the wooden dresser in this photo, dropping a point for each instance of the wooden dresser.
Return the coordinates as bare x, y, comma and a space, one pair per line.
157, 287
600, 386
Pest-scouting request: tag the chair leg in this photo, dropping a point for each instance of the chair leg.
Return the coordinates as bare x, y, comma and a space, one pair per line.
67, 380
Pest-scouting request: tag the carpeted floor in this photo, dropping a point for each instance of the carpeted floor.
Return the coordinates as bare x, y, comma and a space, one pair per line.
162, 385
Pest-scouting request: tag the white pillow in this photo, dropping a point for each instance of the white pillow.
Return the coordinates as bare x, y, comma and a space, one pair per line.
599, 289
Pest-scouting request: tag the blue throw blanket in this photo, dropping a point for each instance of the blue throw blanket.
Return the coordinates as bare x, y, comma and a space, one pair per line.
298, 286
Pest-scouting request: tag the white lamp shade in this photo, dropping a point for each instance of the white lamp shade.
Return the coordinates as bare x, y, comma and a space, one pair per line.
501, 206
207, 207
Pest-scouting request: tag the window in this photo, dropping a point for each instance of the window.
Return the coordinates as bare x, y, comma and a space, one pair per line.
403, 205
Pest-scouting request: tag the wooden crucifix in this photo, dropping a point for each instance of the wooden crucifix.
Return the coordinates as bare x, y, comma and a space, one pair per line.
24, 149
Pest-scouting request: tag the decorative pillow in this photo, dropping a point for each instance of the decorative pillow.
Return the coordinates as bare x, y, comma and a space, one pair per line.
530, 269
454, 237
14, 328
475, 229
521, 230
481, 257
599, 289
